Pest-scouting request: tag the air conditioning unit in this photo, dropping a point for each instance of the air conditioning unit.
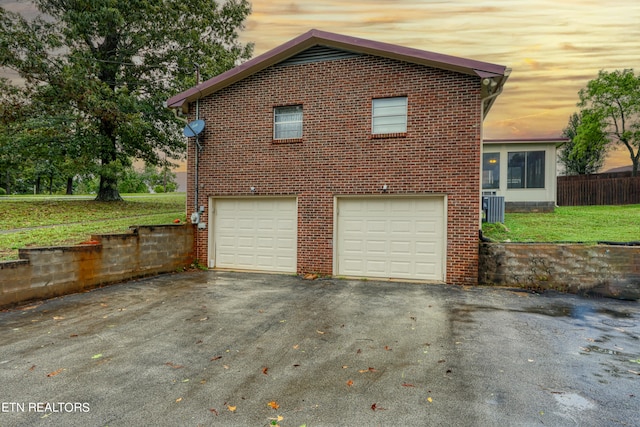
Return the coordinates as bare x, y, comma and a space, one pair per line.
493, 209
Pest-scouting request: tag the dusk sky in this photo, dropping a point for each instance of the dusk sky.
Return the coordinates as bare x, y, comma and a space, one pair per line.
554, 47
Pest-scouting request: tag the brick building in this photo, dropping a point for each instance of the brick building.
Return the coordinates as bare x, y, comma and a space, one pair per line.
341, 156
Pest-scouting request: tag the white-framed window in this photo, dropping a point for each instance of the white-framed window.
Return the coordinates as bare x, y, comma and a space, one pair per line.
287, 122
389, 115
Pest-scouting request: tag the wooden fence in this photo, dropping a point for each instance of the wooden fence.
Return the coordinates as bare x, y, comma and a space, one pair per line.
618, 188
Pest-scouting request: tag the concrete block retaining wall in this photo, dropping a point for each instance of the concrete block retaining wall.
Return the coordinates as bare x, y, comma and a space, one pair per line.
603, 270
53, 271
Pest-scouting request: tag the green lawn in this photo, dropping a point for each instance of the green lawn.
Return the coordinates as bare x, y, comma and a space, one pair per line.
46, 221
570, 224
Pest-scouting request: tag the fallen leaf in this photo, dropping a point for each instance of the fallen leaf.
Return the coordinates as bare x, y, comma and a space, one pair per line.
362, 371
280, 418
225, 366
297, 346
273, 404
429, 399
179, 400
359, 351
449, 371
32, 367
199, 342
54, 373
373, 407
349, 383
231, 408
407, 385
441, 361
173, 365
73, 336
320, 332
386, 347
213, 411
264, 370
310, 276
216, 358
297, 365
345, 366
634, 361
58, 318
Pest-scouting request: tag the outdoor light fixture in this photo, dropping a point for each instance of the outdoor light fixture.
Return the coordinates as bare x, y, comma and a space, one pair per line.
384, 187
489, 82
253, 189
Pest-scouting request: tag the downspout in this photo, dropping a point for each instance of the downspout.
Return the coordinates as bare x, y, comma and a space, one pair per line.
482, 104
197, 148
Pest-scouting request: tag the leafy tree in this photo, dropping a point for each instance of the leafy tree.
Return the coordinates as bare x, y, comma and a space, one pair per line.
586, 149
612, 103
97, 74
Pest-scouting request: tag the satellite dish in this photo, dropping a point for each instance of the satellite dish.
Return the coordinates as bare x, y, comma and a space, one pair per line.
194, 128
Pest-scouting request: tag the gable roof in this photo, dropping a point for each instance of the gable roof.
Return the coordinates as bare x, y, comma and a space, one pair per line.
493, 75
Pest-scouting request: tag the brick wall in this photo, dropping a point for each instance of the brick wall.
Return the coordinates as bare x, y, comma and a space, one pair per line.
440, 153
604, 270
53, 271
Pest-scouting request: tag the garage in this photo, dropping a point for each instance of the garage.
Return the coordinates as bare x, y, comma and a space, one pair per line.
391, 237
257, 234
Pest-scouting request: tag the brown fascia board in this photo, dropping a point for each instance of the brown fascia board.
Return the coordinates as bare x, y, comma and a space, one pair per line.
353, 44
557, 141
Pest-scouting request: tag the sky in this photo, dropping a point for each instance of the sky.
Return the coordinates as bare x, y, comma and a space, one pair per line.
554, 47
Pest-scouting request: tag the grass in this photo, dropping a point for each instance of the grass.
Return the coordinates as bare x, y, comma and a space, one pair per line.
46, 221
587, 224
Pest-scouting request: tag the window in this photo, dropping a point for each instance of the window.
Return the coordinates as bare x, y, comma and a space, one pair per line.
526, 169
389, 115
287, 122
490, 170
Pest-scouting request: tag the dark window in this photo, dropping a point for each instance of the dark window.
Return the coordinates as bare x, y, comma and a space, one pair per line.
526, 169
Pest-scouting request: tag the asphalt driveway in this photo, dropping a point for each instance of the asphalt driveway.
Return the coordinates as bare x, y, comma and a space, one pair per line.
216, 348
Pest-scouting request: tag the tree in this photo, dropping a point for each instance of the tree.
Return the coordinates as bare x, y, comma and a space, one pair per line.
586, 149
612, 103
107, 66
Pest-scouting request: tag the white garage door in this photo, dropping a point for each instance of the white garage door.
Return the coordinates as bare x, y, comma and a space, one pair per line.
255, 234
391, 237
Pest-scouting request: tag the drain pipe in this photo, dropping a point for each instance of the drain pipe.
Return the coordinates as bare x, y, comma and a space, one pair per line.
482, 104
197, 148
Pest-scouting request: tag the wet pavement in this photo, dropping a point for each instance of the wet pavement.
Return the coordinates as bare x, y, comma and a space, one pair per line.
235, 349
